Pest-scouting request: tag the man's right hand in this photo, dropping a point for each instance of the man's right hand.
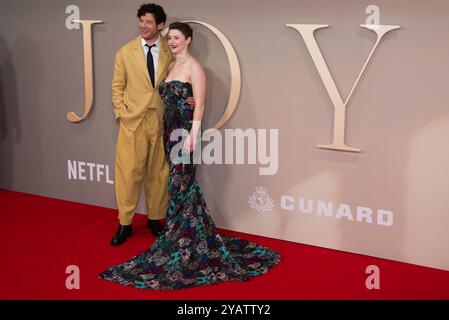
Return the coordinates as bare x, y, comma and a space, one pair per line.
191, 101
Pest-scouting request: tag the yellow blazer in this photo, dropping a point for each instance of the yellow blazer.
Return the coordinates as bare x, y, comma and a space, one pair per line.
132, 91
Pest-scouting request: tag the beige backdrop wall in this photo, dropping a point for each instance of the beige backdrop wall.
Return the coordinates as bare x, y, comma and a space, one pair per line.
398, 116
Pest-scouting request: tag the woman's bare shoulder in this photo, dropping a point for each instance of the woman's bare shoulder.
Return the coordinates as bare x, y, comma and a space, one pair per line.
196, 67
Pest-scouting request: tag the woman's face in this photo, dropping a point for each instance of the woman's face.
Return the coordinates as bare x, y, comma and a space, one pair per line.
177, 41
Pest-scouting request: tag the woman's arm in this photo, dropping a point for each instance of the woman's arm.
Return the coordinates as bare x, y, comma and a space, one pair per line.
198, 80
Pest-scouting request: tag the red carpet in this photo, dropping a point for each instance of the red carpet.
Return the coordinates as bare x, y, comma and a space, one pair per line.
40, 237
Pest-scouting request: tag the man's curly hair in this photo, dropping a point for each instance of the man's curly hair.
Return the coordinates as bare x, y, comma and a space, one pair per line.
155, 9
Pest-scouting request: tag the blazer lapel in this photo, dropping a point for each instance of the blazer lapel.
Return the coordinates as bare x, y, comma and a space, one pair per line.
140, 57
164, 56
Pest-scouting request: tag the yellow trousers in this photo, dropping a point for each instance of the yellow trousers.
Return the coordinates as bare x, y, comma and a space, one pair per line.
140, 157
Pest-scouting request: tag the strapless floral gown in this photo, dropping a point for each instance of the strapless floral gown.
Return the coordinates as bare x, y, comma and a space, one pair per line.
190, 252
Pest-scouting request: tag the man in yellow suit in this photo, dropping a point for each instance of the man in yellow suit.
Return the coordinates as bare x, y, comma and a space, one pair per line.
140, 66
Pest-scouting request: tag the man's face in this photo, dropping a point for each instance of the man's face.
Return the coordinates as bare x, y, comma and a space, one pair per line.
148, 27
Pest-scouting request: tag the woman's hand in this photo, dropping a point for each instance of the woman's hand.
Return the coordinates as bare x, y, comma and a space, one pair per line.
189, 144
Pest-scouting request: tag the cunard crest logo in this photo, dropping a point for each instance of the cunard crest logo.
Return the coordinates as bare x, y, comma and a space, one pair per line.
260, 200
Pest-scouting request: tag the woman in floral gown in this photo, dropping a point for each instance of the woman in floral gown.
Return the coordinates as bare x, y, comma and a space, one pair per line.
189, 252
